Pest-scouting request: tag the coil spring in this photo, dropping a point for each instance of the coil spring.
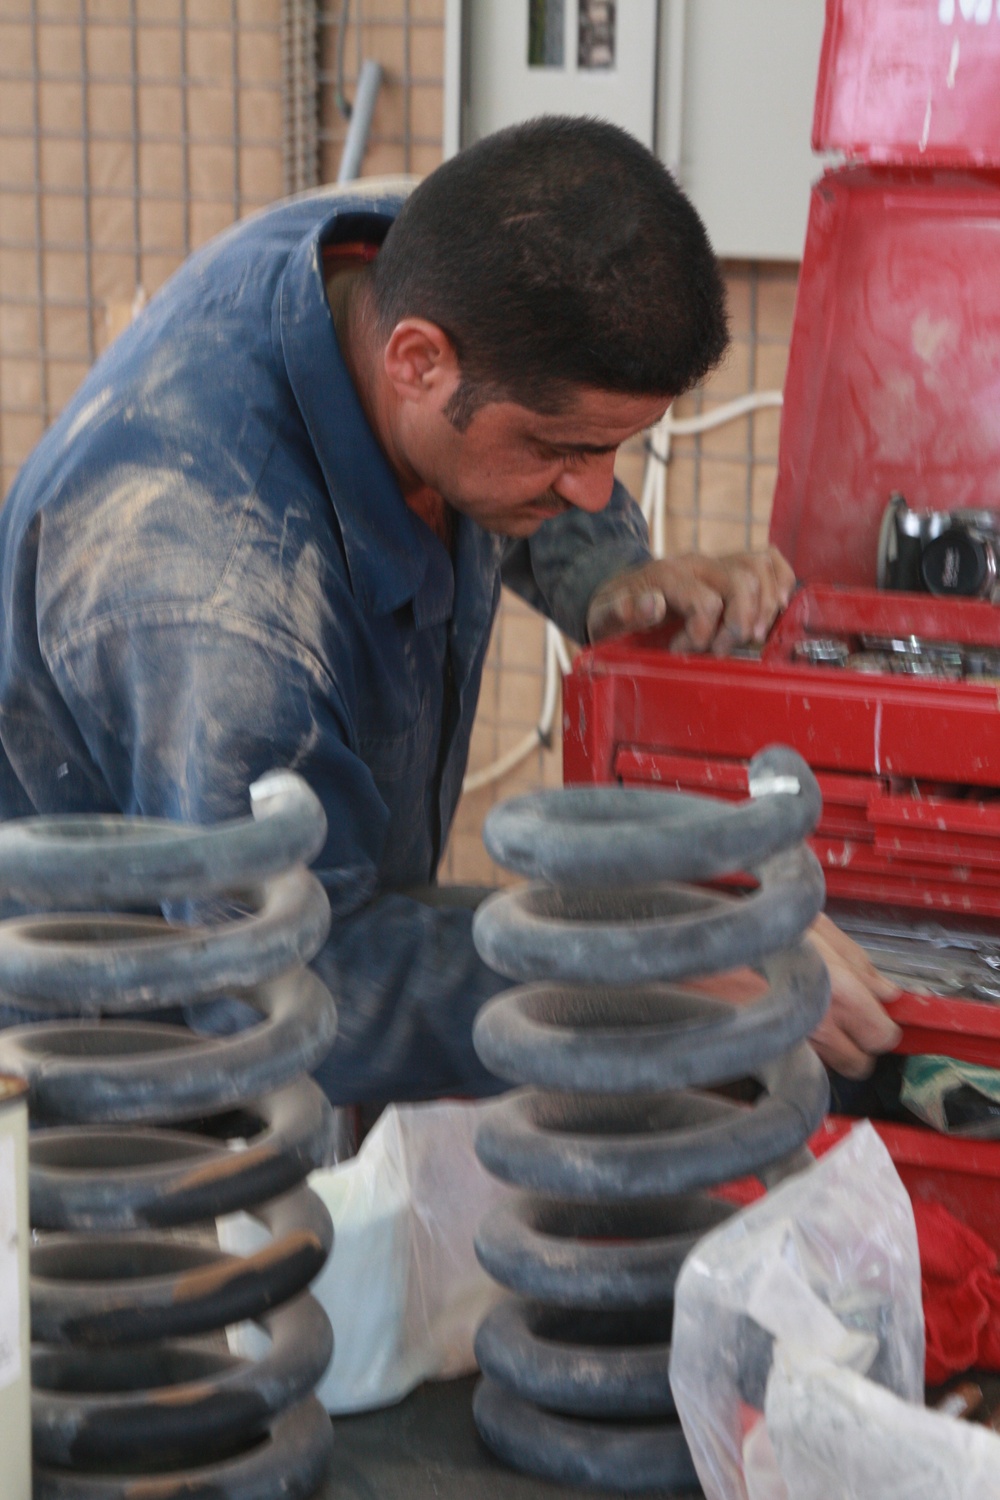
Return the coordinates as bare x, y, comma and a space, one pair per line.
132, 1150
612, 1134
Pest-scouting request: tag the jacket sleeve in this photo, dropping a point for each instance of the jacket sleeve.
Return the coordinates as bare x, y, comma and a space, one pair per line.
559, 569
181, 716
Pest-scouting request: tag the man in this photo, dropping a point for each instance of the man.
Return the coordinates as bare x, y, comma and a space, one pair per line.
270, 531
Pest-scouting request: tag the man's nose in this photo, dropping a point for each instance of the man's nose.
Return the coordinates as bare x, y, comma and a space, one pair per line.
588, 485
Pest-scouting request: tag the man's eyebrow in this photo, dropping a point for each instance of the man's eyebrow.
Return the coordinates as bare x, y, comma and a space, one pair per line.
557, 447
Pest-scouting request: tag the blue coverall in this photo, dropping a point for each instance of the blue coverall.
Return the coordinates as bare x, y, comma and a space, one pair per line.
209, 570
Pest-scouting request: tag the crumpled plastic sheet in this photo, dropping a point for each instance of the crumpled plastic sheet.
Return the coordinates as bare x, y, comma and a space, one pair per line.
403, 1288
838, 1436
819, 1280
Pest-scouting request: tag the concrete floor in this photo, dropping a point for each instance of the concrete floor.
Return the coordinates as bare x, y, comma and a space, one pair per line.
427, 1448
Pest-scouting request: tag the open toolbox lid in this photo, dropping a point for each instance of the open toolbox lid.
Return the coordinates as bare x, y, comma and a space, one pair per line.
894, 368
910, 81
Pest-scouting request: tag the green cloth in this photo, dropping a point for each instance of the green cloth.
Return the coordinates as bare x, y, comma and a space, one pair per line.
927, 1081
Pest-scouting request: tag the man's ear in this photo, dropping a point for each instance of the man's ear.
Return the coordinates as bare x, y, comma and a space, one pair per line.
420, 362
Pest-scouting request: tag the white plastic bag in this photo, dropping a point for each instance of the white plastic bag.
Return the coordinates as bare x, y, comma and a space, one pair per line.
403, 1288
826, 1269
837, 1436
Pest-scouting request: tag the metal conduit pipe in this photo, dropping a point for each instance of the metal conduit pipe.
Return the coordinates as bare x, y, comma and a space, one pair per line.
362, 112
144, 1132
612, 1137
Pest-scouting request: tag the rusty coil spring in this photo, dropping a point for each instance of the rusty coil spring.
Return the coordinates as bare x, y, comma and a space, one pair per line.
613, 1134
144, 1133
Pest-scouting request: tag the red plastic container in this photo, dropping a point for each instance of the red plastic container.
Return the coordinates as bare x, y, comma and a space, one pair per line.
910, 81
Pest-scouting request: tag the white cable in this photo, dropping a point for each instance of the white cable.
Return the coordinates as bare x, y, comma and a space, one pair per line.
556, 663
654, 486
731, 411
506, 763
654, 506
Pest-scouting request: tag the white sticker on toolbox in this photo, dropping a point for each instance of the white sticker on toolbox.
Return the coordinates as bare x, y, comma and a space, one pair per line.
10, 1303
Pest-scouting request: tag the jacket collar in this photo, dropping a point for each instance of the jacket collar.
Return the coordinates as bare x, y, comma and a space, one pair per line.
387, 555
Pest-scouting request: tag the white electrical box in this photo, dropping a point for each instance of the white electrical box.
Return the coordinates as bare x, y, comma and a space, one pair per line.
569, 57
721, 89
748, 85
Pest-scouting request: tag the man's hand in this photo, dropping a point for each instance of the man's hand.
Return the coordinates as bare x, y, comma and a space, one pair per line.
722, 601
856, 1028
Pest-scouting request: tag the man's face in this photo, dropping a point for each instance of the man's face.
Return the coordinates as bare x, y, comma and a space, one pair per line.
511, 469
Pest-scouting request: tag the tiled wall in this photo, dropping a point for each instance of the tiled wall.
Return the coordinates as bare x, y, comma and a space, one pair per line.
131, 131
407, 38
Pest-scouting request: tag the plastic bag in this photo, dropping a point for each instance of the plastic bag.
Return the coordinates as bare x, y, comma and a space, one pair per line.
837, 1434
403, 1288
825, 1269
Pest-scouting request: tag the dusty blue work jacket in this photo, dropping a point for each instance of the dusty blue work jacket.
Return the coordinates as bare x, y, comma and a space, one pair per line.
208, 570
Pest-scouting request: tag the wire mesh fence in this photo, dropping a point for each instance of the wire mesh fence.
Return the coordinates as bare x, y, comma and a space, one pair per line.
132, 131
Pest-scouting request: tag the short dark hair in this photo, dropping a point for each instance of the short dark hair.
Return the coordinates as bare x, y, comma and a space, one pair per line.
555, 254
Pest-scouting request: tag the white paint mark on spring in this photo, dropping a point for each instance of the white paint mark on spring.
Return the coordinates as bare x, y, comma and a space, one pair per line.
925, 133
771, 784
878, 739
956, 48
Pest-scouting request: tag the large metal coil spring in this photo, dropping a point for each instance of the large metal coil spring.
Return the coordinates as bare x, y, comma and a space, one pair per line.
615, 1132
144, 1132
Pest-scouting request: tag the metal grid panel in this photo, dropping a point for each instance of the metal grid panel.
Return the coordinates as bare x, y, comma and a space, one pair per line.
720, 484
131, 131
407, 38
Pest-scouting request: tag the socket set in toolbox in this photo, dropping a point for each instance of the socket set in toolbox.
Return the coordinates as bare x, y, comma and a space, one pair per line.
904, 656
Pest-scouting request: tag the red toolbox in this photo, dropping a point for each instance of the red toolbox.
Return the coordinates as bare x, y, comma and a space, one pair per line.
893, 387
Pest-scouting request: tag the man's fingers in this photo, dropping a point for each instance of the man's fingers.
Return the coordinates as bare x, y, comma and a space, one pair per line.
838, 1052
636, 606
760, 584
855, 1009
854, 1012
643, 598
723, 602
829, 935
784, 577
701, 609
742, 595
